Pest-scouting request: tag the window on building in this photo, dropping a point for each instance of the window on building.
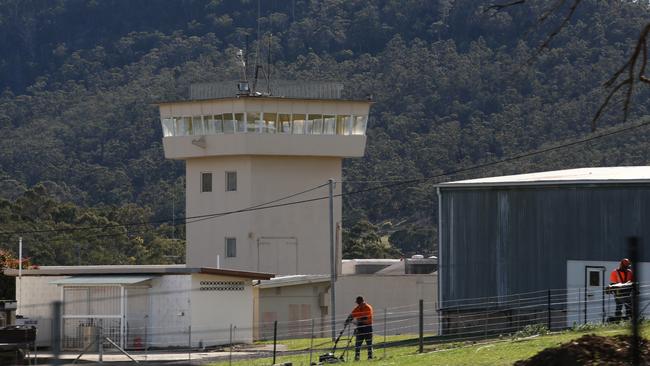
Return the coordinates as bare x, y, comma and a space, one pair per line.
231, 181
229, 123
241, 122
298, 124
271, 122
197, 125
316, 123
594, 278
329, 125
231, 247
284, 123
206, 182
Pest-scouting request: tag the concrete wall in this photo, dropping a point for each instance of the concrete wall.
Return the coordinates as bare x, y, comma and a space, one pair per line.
218, 302
293, 239
36, 303
169, 314
181, 147
175, 303
289, 305
398, 295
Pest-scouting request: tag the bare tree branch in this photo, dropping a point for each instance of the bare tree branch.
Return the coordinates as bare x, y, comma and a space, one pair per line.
558, 4
499, 7
630, 66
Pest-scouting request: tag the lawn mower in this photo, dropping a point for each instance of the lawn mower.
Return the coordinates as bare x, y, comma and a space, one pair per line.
330, 357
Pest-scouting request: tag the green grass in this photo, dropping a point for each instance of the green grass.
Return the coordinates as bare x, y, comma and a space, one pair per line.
495, 352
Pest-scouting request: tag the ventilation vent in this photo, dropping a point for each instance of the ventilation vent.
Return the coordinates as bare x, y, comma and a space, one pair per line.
222, 286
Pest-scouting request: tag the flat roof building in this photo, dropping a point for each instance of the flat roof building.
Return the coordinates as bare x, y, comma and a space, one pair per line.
139, 306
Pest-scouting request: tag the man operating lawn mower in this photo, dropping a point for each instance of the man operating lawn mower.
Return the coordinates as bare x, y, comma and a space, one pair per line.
361, 315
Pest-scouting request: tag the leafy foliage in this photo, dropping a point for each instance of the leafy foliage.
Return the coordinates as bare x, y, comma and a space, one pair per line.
452, 86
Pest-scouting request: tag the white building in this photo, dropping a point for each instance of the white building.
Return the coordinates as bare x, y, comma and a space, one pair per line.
152, 305
242, 152
393, 286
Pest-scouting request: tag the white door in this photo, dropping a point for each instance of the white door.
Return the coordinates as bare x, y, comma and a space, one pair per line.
594, 295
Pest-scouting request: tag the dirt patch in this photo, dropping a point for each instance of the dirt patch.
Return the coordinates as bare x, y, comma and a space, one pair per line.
590, 350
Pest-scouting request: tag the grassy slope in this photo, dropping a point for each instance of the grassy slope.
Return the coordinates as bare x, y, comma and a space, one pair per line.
493, 353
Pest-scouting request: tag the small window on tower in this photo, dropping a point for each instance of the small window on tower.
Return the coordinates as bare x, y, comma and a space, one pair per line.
206, 182
231, 181
231, 247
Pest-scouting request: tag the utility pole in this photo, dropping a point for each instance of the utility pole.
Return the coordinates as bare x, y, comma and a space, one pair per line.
332, 259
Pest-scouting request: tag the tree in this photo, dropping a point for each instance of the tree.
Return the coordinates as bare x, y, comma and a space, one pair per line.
362, 240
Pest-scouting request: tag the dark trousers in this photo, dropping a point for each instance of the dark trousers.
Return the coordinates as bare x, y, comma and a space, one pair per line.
363, 333
623, 300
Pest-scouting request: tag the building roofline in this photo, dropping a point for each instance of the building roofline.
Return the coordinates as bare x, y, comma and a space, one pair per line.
267, 97
581, 176
137, 269
296, 280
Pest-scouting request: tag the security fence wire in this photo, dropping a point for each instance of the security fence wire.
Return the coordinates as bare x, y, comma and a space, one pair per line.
489, 319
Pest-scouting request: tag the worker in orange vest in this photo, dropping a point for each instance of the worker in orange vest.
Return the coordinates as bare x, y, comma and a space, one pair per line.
623, 295
362, 316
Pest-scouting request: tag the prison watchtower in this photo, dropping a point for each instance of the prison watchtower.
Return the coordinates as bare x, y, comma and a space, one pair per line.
243, 150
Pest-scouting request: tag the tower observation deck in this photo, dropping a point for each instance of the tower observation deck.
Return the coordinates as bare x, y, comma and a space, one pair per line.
244, 150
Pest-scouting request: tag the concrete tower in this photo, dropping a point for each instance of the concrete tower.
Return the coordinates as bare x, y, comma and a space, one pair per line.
242, 151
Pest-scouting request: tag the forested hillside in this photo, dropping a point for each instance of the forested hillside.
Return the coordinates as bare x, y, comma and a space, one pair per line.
453, 87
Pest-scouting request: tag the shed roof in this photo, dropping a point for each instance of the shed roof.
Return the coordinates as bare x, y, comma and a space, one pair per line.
135, 269
294, 280
603, 175
101, 280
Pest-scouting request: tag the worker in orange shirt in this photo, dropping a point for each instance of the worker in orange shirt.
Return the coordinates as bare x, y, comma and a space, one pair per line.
362, 316
622, 295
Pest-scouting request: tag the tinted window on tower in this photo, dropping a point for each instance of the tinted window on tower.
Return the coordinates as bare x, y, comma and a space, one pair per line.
231, 181
206, 182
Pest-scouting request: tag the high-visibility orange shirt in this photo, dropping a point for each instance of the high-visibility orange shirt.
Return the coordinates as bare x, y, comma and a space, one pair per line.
621, 276
363, 311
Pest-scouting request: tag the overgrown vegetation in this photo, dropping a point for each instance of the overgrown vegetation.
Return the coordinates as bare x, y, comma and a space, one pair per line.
452, 87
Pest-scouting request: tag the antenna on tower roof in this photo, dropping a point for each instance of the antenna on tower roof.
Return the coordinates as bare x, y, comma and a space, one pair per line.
258, 65
242, 86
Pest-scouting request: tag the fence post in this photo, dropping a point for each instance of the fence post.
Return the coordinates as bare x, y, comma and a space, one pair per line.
385, 331
146, 336
275, 338
189, 343
101, 341
421, 326
585, 304
311, 342
56, 332
230, 343
633, 248
548, 324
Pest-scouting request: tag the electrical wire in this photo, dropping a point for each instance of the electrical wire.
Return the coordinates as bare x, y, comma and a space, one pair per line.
395, 184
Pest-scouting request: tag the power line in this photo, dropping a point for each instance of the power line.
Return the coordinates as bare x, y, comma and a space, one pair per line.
386, 186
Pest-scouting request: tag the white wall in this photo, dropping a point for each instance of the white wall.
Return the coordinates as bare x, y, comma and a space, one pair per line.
399, 295
214, 311
36, 303
262, 179
575, 291
277, 303
169, 314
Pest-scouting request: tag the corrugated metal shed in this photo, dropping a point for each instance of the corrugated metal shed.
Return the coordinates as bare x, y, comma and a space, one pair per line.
514, 234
